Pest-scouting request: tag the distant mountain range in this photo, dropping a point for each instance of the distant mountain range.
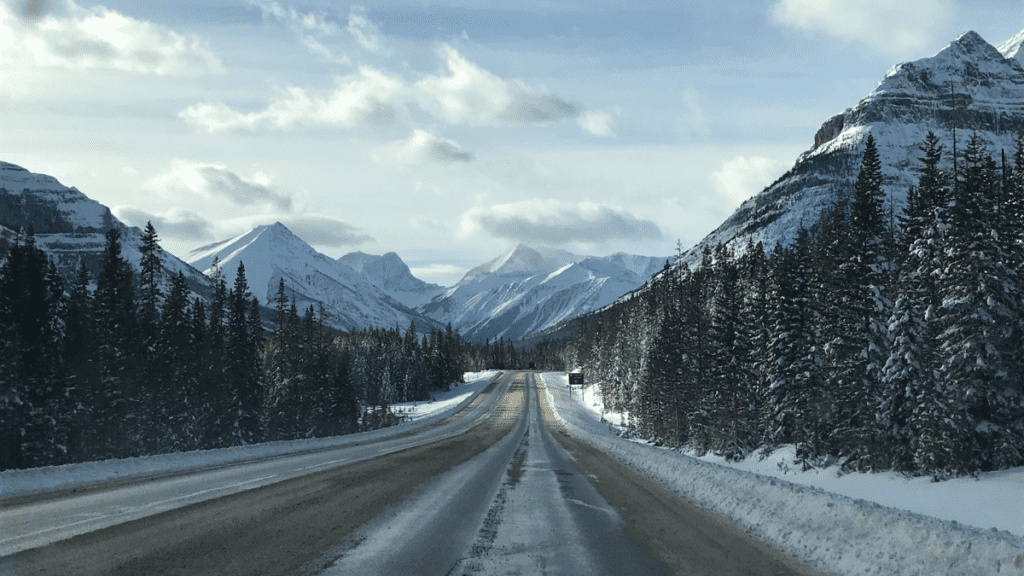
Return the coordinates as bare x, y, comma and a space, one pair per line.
529, 289
351, 299
969, 85
516, 294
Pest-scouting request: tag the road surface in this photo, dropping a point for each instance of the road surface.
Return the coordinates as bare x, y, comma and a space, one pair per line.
507, 494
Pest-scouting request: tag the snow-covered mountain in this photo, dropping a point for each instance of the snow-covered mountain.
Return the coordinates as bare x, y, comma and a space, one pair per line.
70, 227
271, 253
392, 275
968, 85
528, 289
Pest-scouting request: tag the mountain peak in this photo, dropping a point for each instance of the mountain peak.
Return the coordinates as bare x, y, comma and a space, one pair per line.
967, 86
1013, 49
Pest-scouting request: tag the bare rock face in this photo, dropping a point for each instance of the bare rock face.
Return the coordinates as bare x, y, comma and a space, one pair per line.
969, 86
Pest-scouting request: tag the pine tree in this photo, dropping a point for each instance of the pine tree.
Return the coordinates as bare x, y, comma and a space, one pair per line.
861, 355
733, 387
31, 299
149, 284
116, 330
980, 314
794, 380
911, 404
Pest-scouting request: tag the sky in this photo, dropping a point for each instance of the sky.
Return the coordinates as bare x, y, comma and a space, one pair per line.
446, 132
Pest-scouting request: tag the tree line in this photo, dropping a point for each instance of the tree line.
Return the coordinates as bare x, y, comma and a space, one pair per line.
874, 341
131, 363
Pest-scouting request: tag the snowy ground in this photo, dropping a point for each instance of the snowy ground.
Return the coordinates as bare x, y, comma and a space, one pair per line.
850, 524
15, 483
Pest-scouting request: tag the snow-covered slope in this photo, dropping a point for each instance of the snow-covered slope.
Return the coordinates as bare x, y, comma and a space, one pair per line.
1014, 48
529, 289
70, 226
271, 253
392, 275
969, 85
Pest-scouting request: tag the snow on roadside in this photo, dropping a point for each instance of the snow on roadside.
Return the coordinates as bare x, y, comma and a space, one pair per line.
14, 483
836, 533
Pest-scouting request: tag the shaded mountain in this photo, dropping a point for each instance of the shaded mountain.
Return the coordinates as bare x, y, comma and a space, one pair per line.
272, 253
392, 275
70, 227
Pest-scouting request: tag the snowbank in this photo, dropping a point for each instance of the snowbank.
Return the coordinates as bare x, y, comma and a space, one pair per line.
834, 532
15, 483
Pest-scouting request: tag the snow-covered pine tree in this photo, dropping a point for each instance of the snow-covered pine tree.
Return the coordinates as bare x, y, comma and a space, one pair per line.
911, 406
794, 378
733, 384
117, 336
980, 312
867, 309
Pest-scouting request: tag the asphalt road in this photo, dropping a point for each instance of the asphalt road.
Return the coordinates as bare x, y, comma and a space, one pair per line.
512, 494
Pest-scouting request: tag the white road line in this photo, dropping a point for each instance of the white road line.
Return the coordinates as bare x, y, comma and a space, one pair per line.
322, 464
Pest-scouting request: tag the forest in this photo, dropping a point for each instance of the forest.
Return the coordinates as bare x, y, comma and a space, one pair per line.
873, 340
131, 364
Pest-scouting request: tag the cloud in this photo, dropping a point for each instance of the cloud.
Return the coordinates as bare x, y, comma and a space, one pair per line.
65, 35
325, 231
217, 181
472, 95
366, 97
310, 27
883, 24
221, 182
466, 95
741, 177
360, 27
177, 222
422, 147
597, 123
443, 271
556, 222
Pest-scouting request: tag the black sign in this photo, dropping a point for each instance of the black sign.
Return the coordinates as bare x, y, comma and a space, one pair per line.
576, 379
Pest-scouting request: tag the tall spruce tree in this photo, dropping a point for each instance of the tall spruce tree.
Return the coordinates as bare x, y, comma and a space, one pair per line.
861, 357
980, 315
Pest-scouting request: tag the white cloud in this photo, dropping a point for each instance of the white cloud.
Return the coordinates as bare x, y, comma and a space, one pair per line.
438, 271
369, 96
176, 222
310, 27
65, 35
471, 95
326, 231
556, 222
883, 24
422, 147
595, 122
213, 181
741, 177
467, 95
360, 27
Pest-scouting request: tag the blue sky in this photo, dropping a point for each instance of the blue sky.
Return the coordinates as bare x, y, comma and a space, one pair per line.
445, 131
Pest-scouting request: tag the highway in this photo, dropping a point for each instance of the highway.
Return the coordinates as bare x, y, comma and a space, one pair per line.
499, 488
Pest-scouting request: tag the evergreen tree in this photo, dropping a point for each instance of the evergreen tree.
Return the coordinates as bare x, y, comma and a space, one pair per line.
980, 314
911, 404
862, 354
149, 285
31, 339
116, 323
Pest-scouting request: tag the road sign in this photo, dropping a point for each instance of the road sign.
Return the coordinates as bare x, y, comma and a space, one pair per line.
576, 379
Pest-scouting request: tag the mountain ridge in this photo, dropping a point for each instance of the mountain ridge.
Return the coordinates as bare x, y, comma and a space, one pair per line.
969, 85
